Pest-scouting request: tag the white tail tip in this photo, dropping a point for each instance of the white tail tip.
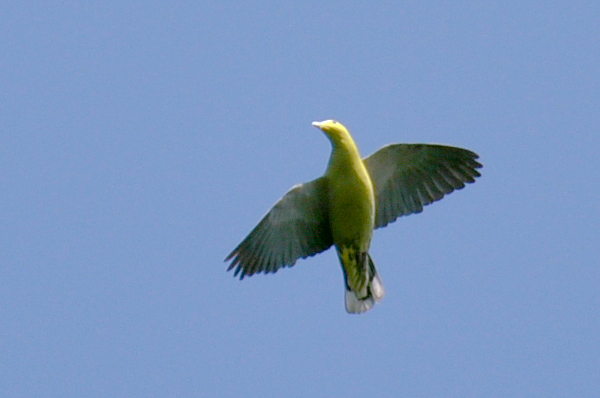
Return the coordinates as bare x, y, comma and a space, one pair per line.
354, 305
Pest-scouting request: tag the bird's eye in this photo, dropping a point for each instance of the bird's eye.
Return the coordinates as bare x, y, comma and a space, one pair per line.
334, 122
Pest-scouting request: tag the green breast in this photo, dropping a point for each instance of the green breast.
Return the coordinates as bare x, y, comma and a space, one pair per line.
351, 204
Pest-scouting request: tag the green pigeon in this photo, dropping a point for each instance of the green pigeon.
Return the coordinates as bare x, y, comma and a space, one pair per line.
344, 206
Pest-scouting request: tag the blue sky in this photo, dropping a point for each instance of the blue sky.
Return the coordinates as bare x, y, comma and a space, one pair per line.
141, 141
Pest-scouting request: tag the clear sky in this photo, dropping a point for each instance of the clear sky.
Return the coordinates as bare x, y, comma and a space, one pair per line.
141, 141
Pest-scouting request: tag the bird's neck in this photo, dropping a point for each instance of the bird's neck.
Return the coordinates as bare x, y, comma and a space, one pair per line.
344, 156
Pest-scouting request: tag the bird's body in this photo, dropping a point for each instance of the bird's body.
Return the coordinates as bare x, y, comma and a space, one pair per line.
344, 206
351, 208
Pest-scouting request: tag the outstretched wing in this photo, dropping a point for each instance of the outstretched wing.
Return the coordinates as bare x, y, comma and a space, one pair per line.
297, 226
407, 177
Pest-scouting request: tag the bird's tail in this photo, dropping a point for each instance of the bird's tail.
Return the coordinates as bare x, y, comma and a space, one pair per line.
375, 292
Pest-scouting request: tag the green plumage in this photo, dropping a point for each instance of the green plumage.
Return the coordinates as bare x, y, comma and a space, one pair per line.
343, 207
351, 207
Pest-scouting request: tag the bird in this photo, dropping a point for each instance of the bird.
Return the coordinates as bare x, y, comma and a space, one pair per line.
344, 206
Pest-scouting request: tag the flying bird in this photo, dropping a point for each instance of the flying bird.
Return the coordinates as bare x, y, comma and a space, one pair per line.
344, 206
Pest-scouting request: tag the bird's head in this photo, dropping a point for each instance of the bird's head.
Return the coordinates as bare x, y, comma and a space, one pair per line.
334, 130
